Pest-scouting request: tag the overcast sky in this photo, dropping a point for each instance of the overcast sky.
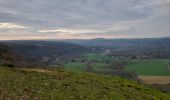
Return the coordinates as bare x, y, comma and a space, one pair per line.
68, 19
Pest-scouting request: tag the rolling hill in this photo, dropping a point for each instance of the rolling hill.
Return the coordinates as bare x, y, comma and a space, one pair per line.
43, 53
55, 84
150, 47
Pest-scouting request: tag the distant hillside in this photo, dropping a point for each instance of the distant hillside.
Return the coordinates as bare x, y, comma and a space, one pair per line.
122, 42
152, 47
8, 57
41, 84
45, 52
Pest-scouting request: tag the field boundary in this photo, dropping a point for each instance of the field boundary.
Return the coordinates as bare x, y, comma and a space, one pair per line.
168, 66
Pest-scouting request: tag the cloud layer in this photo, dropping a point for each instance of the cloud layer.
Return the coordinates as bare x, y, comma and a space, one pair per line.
10, 26
57, 19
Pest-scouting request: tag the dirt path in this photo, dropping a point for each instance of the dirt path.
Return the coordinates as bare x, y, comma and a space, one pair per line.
37, 70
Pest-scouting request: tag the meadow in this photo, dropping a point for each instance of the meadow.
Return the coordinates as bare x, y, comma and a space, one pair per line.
100, 65
157, 67
96, 61
97, 57
75, 66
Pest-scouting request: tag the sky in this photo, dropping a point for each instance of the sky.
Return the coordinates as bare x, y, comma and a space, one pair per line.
83, 19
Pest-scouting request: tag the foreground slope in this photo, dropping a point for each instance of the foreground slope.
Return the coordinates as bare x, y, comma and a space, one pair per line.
26, 83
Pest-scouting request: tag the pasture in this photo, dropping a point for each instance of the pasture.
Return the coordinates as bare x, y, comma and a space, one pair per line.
95, 61
157, 67
97, 57
75, 66
101, 67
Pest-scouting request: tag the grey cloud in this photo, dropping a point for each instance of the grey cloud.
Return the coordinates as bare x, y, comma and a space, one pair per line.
75, 12
140, 16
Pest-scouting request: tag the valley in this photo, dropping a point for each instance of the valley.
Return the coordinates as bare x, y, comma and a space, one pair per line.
59, 61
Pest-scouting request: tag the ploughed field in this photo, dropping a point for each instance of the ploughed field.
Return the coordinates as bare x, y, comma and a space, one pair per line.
155, 79
55, 84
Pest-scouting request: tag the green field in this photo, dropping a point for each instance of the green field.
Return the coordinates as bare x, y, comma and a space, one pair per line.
97, 57
154, 67
97, 62
53, 84
100, 66
150, 68
93, 56
75, 66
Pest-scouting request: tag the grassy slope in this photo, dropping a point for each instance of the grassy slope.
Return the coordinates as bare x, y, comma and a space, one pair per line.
150, 68
60, 85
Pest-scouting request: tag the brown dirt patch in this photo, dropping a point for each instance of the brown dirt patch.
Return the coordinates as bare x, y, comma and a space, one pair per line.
155, 79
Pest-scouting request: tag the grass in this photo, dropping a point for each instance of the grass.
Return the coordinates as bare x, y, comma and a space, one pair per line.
150, 68
93, 56
101, 67
40, 84
97, 57
78, 66
75, 66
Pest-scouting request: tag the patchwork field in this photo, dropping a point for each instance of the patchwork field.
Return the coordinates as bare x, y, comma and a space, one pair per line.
90, 60
155, 71
150, 68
